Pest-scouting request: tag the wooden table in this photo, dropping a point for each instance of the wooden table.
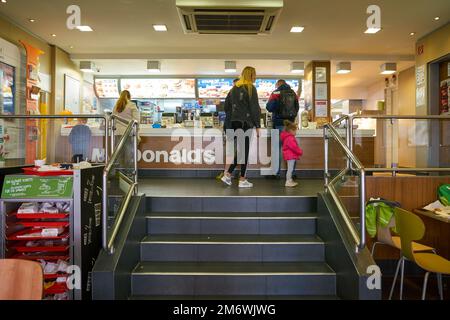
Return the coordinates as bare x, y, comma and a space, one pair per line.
437, 233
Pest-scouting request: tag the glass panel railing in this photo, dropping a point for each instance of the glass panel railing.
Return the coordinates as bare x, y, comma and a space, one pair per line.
24, 139
120, 180
407, 143
344, 183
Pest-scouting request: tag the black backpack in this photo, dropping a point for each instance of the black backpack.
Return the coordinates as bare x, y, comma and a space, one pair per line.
287, 104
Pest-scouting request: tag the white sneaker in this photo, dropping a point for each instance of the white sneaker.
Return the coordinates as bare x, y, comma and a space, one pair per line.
290, 184
245, 184
226, 179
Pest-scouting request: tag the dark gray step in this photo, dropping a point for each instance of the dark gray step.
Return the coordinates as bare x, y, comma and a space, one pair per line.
232, 204
233, 248
234, 297
244, 279
231, 223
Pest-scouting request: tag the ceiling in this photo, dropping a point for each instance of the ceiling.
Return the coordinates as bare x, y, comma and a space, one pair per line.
333, 30
123, 37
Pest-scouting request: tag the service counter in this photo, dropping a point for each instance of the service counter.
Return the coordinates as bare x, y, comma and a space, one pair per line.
199, 147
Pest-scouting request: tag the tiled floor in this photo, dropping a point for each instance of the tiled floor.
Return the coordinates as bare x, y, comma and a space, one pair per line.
201, 187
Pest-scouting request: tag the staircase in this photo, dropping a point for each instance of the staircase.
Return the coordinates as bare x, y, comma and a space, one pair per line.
232, 248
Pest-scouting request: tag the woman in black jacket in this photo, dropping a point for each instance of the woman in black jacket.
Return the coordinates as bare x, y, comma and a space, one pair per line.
242, 105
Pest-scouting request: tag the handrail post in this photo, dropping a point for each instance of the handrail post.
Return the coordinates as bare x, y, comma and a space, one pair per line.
105, 212
107, 132
350, 132
349, 138
326, 172
113, 134
135, 154
362, 195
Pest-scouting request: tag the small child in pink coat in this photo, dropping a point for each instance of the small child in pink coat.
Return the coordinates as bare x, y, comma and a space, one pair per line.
291, 151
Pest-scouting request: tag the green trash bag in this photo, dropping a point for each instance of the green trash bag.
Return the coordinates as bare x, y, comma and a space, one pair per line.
444, 194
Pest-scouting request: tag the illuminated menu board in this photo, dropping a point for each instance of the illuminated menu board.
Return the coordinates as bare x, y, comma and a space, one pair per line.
159, 88
214, 88
107, 88
266, 86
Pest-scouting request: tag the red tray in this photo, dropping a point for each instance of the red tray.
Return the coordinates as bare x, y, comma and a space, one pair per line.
15, 236
34, 172
56, 288
54, 275
44, 224
40, 215
40, 257
24, 249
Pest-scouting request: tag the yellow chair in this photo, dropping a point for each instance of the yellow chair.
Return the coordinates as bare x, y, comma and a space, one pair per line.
410, 228
385, 237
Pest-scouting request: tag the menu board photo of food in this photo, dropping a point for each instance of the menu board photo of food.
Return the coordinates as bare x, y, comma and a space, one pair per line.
214, 88
265, 87
107, 88
159, 88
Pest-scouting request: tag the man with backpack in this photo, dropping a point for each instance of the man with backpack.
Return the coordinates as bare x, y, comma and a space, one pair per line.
283, 104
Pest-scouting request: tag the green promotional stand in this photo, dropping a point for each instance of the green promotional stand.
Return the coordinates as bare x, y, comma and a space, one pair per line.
78, 240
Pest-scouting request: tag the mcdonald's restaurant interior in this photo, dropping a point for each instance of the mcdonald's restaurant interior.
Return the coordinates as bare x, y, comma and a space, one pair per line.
96, 98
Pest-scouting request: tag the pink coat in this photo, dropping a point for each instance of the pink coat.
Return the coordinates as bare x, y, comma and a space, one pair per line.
291, 150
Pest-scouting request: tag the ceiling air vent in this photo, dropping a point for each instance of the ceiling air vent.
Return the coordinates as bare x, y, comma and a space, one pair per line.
229, 17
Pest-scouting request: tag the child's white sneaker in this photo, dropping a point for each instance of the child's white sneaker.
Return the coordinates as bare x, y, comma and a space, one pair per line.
226, 179
245, 184
291, 184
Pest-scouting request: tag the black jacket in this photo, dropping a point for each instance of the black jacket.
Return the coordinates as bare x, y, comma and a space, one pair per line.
239, 106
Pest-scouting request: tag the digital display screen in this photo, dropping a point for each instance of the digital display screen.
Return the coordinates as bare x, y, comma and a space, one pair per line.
159, 88
7, 79
214, 88
266, 86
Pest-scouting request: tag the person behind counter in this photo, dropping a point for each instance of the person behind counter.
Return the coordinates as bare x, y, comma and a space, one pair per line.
80, 139
284, 105
127, 109
243, 103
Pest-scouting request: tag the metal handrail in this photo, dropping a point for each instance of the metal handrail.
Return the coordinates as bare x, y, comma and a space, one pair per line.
401, 117
108, 242
360, 240
350, 226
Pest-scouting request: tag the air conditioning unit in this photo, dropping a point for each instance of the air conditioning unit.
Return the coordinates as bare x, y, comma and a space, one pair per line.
229, 16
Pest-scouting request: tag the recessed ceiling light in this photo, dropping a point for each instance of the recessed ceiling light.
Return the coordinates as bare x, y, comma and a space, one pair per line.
297, 29
230, 66
344, 67
4, 1
85, 28
32, 20
372, 30
160, 27
153, 66
388, 68
71, 47
53, 35
87, 66
436, 18
412, 34
298, 67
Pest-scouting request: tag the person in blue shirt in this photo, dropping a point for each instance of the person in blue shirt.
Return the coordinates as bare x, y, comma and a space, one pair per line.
275, 106
80, 139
